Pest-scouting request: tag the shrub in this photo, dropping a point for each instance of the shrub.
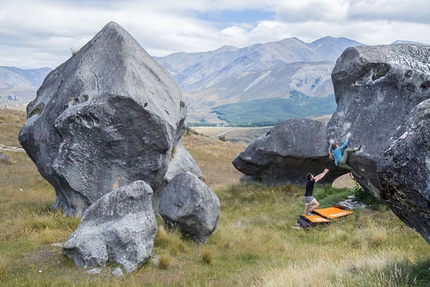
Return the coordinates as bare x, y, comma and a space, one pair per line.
189, 131
365, 197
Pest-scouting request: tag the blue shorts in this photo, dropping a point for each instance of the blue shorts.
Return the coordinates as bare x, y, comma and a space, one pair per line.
309, 199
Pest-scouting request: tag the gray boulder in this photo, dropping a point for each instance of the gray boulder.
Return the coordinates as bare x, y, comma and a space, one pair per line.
287, 153
404, 171
188, 204
376, 87
4, 158
181, 161
106, 117
118, 228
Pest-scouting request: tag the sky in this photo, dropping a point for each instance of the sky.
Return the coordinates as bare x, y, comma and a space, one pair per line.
43, 33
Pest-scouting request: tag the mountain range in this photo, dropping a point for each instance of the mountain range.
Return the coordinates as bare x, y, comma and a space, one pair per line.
18, 87
218, 84
274, 70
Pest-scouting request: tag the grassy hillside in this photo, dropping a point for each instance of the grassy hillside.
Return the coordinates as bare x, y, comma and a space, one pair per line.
10, 123
255, 244
269, 112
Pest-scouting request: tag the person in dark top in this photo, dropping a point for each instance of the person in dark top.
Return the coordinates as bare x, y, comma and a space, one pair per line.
309, 199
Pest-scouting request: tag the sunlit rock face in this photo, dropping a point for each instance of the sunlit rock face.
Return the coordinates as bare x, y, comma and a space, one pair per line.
376, 87
106, 117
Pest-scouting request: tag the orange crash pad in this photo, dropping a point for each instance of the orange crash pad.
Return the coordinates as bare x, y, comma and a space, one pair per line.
332, 212
306, 220
316, 218
322, 216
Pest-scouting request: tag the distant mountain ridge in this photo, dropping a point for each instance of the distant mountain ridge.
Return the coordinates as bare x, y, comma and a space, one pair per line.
18, 87
231, 75
12, 77
195, 71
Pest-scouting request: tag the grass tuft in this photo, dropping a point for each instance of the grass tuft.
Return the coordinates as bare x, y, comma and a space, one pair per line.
177, 245
207, 256
164, 261
161, 237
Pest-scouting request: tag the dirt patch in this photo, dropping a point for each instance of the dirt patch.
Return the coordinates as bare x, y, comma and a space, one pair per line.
344, 181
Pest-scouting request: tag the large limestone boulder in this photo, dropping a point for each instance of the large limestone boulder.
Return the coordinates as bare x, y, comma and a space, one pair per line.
404, 171
188, 204
119, 228
287, 153
106, 117
376, 87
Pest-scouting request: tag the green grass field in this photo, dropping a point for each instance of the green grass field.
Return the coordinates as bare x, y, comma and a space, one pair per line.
271, 111
256, 242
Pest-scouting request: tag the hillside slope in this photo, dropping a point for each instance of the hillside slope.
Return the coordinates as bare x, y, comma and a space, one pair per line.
272, 70
18, 87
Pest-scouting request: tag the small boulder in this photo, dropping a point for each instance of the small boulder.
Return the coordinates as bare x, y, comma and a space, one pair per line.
180, 161
188, 204
4, 158
117, 272
118, 228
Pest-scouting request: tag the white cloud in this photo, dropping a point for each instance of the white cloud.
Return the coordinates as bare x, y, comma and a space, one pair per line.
40, 33
316, 10
414, 11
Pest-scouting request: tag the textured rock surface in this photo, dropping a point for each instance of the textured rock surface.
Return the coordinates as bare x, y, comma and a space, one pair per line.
106, 117
404, 171
119, 228
376, 87
189, 204
287, 153
180, 162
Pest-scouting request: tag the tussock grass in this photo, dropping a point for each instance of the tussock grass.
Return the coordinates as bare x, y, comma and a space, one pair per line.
207, 256
255, 244
161, 237
164, 261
